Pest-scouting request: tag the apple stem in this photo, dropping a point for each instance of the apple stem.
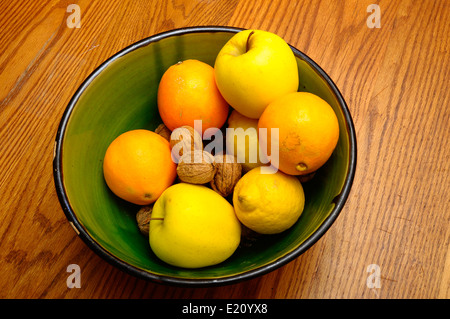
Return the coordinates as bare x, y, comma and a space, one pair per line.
248, 41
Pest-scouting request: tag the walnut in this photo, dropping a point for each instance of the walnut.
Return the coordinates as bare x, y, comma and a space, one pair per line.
163, 131
227, 175
143, 219
196, 167
185, 138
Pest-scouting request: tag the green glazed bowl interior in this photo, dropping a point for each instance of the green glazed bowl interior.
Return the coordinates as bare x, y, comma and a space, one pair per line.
120, 95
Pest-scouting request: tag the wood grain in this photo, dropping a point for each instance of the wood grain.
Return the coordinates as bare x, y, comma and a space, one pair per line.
394, 79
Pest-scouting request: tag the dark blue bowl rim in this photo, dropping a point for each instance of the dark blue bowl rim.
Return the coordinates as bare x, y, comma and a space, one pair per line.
190, 282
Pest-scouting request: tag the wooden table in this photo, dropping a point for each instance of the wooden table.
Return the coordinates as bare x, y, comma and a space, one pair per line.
395, 79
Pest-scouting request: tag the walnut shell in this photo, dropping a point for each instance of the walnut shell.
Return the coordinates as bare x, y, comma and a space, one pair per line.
143, 219
185, 138
196, 167
163, 131
227, 175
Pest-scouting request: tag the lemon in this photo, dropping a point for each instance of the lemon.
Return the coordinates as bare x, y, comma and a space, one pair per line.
242, 140
268, 203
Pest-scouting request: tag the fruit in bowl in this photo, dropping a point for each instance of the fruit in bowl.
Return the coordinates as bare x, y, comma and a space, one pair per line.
268, 203
308, 132
254, 68
188, 92
121, 96
242, 141
137, 166
193, 226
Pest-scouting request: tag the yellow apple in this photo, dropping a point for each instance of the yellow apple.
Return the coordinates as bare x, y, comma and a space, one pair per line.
192, 226
253, 69
242, 141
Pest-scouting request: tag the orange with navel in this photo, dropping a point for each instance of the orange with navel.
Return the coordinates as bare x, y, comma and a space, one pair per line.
138, 166
187, 92
308, 132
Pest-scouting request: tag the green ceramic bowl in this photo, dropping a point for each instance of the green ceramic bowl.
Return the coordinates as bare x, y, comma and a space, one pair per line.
120, 95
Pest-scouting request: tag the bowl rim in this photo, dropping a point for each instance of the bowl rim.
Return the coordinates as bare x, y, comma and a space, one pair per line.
339, 200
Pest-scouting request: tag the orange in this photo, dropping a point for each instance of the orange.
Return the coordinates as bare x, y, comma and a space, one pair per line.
138, 166
308, 132
187, 92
